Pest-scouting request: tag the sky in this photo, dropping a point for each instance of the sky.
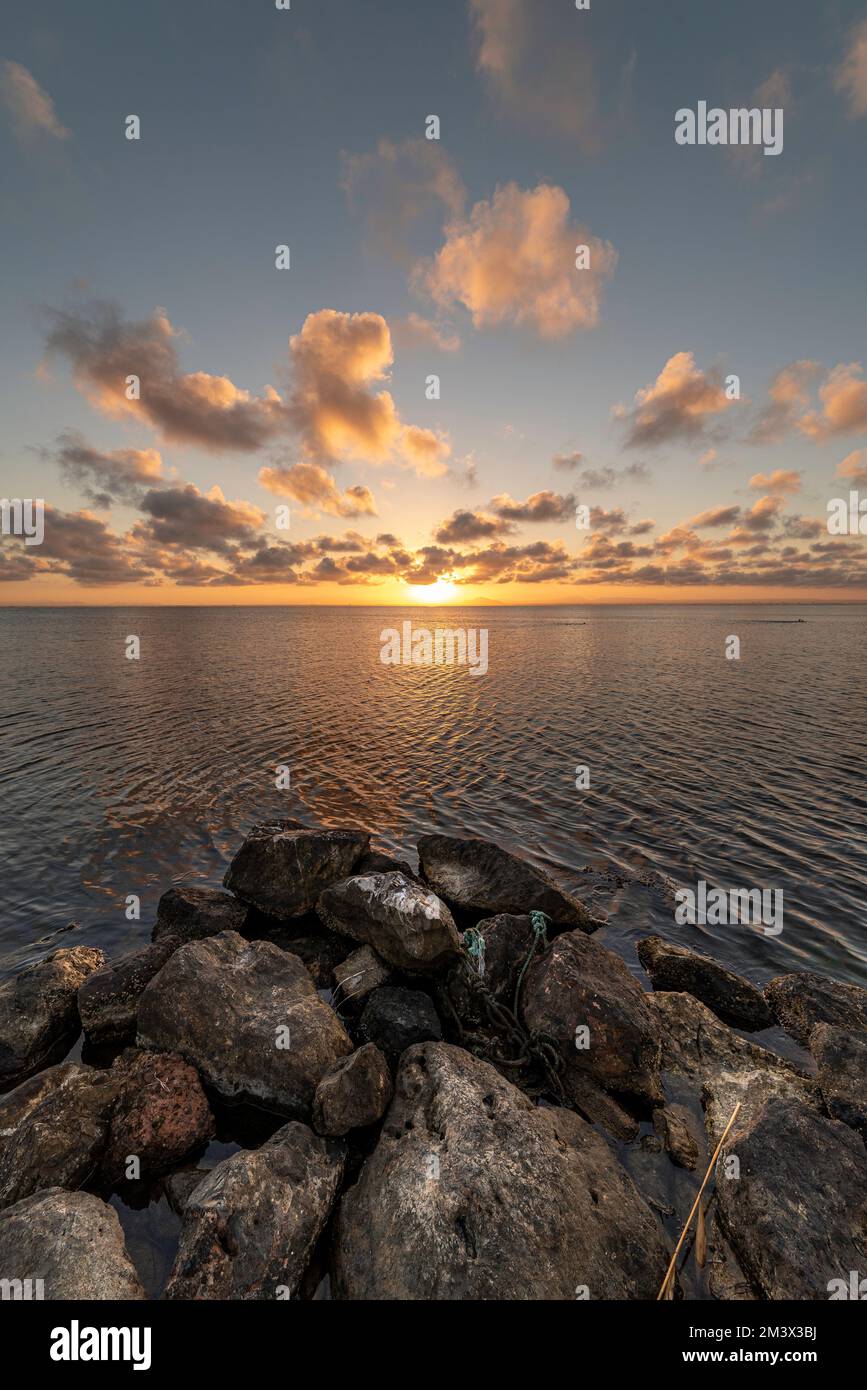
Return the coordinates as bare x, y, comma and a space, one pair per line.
429, 394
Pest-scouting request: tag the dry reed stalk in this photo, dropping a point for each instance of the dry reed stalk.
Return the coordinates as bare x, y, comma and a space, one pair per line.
667, 1290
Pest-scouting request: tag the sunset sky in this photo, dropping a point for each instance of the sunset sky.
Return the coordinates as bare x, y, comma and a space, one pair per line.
306, 387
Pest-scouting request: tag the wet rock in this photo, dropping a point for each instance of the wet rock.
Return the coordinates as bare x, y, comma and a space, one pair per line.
250, 1226
108, 999
506, 943
475, 1193
802, 1000
354, 1093
673, 1125
478, 874
405, 923
359, 975
54, 1128
179, 1186
161, 1114
395, 1018
321, 953
70, 1240
841, 1057
579, 983
599, 1107
376, 862
282, 870
797, 1214
189, 914
39, 1011
248, 1017
731, 998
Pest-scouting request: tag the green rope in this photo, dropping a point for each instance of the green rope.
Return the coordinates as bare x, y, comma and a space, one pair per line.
540, 939
474, 943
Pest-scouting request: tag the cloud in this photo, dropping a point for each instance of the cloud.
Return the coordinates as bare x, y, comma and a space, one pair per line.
513, 261
851, 76
854, 466
187, 407
716, 516
338, 360
189, 519
80, 546
601, 479
566, 463
762, 514
313, 486
541, 506
782, 481
470, 526
105, 477
678, 405
844, 404
417, 332
30, 106
790, 395
397, 185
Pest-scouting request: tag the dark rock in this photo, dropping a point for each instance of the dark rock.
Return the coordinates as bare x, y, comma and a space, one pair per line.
250, 1226
160, 1115
841, 1057
354, 1093
673, 1125
248, 1017
39, 1011
179, 1186
395, 1018
70, 1240
282, 871
478, 874
599, 1107
190, 914
358, 975
578, 983
375, 862
321, 953
797, 1214
731, 998
506, 944
54, 1127
108, 999
473, 1192
802, 1000
404, 922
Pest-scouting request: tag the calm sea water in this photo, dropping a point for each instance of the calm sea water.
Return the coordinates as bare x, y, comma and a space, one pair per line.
123, 777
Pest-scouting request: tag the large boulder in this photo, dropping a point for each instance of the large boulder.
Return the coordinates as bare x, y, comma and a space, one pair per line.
250, 1226
578, 984
476, 874
39, 1011
841, 1058
356, 1092
160, 1115
108, 999
796, 1214
282, 870
73, 1242
731, 998
394, 1018
248, 1017
405, 923
802, 1000
473, 1192
189, 914
54, 1127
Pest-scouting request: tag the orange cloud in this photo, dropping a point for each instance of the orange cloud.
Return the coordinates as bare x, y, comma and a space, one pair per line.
844, 404
854, 466
315, 487
677, 405
785, 483
30, 106
851, 77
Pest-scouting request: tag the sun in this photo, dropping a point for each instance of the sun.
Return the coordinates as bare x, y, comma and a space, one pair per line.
441, 591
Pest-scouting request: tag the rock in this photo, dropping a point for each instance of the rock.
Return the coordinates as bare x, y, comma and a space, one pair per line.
802, 1000
473, 1192
394, 1018
282, 870
248, 1017
179, 1186
405, 923
189, 914
39, 1011
360, 974
160, 1115
797, 1215
54, 1127
70, 1240
354, 1093
321, 953
577, 983
507, 940
478, 874
731, 998
842, 1061
375, 862
250, 1226
108, 999
673, 1125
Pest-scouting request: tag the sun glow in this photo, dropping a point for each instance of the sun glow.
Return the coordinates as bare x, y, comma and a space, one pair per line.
441, 591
